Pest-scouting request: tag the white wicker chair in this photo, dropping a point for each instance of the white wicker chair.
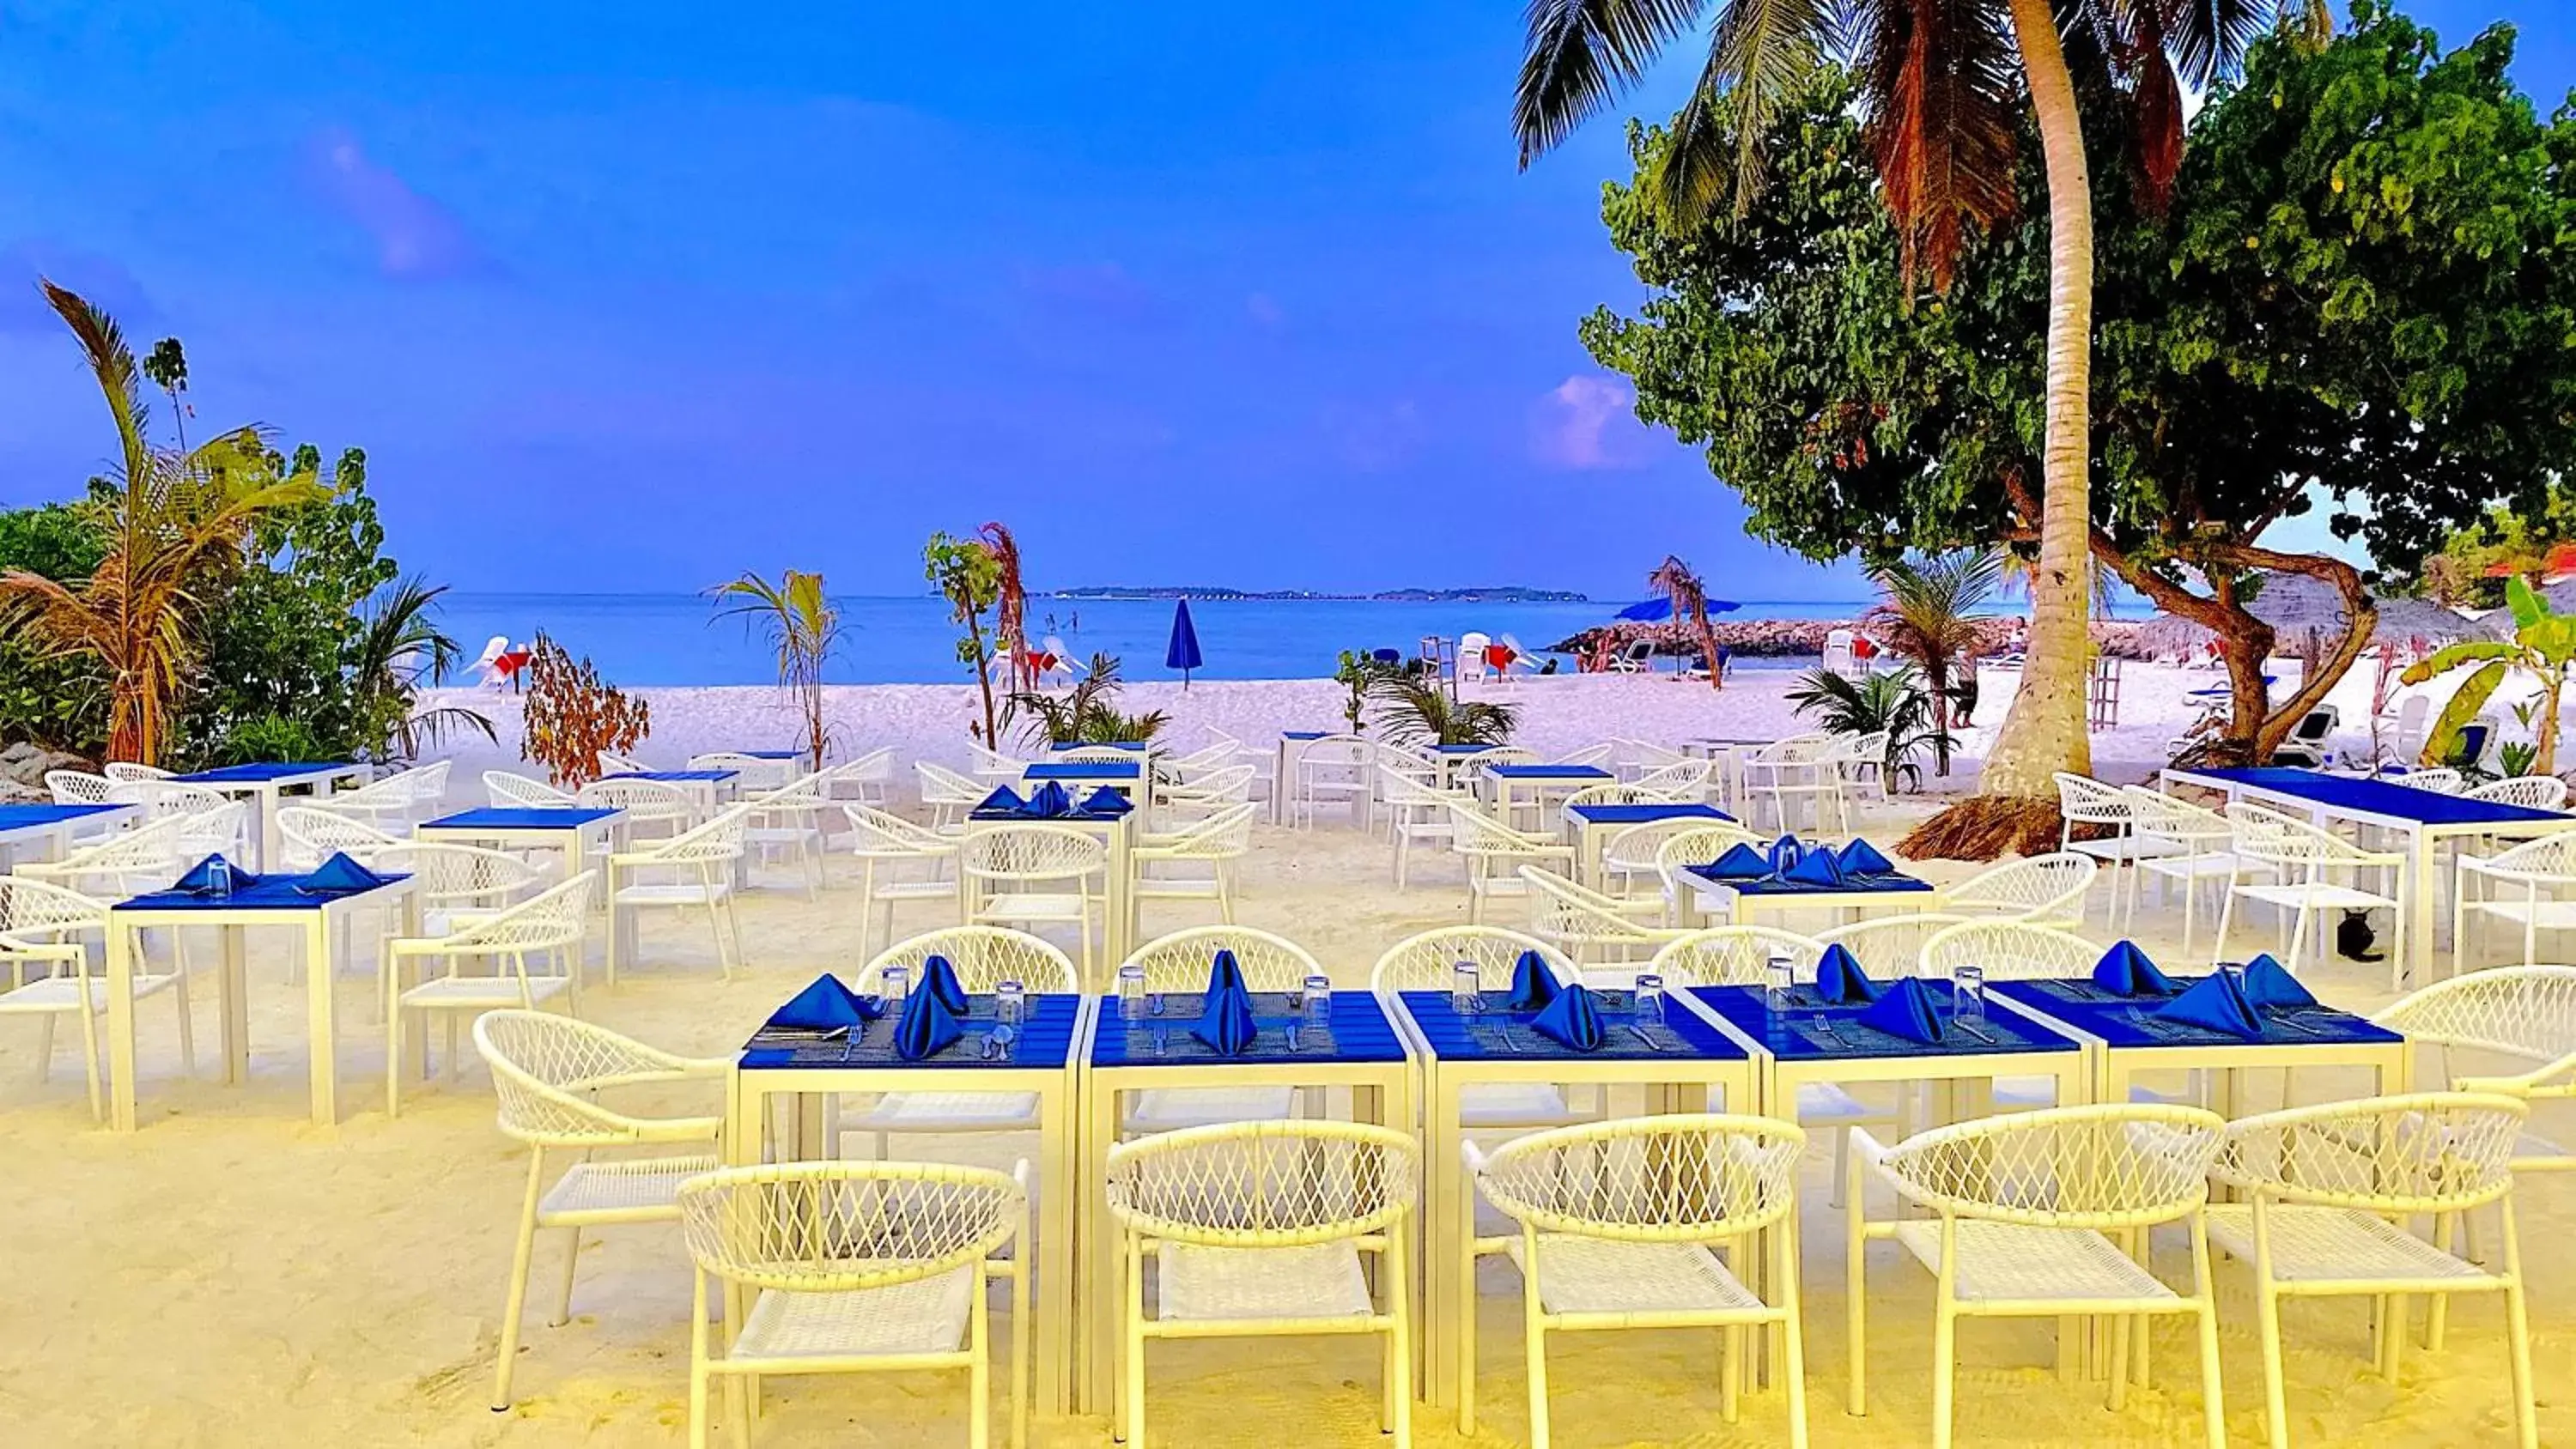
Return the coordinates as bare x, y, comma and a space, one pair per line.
789, 819
1681, 779
1701, 844
2045, 890
162, 799
852, 1267
2082, 800
2009, 951
311, 836
546, 927
507, 792
211, 828
887, 845
983, 958
2197, 844
1648, 1222
1215, 843
1177, 807
948, 795
751, 772
1636, 851
1799, 767
127, 771
612, 763
456, 885
2044, 1215
1857, 758
655, 809
2531, 792
1889, 947
1495, 854
76, 787
2330, 1191
2526, 1014
1617, 794
2531, 886
1258, 1229
1428, 962
428, 786
548, 1072
390, 804
992, 766
42, 928
870, 777
2309, 871
1417, 813
1334, 769
1033, 875
685, 871
1631, 758
1587, 925
145, 858
2440, 782
1178, 963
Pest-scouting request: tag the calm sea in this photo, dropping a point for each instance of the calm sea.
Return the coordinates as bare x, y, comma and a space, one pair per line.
676, 639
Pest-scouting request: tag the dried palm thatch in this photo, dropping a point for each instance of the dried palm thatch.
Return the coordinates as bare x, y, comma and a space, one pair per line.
1986, 827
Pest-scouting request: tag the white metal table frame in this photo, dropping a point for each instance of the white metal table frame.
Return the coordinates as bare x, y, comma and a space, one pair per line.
2423, 844
1381, 1093
263, 796
1118, 914
51, 839
320, 922
1591, 838
574, 842
753, 1091
1507, 787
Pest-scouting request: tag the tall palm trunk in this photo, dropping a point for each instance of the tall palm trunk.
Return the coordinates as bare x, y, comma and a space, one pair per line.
2045, 729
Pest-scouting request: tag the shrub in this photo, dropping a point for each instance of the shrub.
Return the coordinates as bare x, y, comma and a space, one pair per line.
572, 714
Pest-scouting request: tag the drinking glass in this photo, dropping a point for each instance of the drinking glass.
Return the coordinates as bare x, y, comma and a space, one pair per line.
1318, 1006
1010, 1002
1131, 994
219, 876
1466, 989
1649, 1004
894, 983
1968, 993
1779, 979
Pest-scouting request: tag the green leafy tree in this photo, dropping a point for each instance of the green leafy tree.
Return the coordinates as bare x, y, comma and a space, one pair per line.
2359, 294
802, 626
2474, 561
1088, 713
969, 576
1893, 702
400, 650
58, 702
2543, 646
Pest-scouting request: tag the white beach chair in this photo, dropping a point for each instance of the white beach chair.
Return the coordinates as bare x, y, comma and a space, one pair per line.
532, 952
43, 940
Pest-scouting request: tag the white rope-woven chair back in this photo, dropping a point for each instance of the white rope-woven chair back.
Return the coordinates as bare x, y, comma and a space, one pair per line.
2275, 839
2548, 860
1495, 755
1274, 1184
2083, 798
202, 833
165, 798
640, 799
1209, 758
428, 782
79, 787
151, 846
2519, 1011
1795, 750
1682, 779
392, 792
551, 918
1646, 754
127, 771
994, 761
1426, 962
1563, 911
1477, 833
1733, 956
2120, 1166
507, 791
1180, 961
2043, 887
1588, 755
313, 835
882, 832
1640, 848
983, 957
1222, 836
876, 765
1614, 794
718, 839
1698, 1177
2425, 1152
1405, 785
2009, 951
845, 1227
943, 786
547, 1071
2157, 813
800, 795
36, 910
1336, 752
1701, 844
2440, 782
734, 760
2531, 792
1032, 852
1888, 947
450, 874
611, 763
1229, 782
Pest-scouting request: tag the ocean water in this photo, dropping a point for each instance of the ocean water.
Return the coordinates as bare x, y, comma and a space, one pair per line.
676, 639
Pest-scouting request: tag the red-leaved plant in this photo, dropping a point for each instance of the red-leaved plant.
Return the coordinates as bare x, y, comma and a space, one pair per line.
572, 714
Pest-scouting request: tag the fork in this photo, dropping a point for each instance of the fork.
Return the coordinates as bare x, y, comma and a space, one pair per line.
1820, 1022
1640, 1034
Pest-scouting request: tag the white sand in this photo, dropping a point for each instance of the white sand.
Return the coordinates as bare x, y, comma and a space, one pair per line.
234, 1276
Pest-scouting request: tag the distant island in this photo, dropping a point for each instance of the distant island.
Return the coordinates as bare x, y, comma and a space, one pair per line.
1513, 594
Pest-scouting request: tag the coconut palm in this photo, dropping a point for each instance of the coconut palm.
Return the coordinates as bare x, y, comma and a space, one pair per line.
1894, 703
1930, 616
1087, 714
174, 519
399, 649
1672, 579
1938, 88
802, 626
1415, 710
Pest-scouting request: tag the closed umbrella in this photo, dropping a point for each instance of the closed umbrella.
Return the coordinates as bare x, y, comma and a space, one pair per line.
1183, 652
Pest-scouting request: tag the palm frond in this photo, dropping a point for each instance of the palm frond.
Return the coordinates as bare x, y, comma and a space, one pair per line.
1759, 53
1412, 710
1580, 54
1943, 82
102, 345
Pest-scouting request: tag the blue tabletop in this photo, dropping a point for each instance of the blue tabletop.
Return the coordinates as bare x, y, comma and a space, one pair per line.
1498, 1034
1046, 1037
261, 774
2126, 1022
542, 817
1549, 772
273, 893
1135, 746
1082, 770
33, 817
2378, 797
1462, 749
1794, 1035
1359, 1030
1772, 885
1643, 814
1302, 734
674, 777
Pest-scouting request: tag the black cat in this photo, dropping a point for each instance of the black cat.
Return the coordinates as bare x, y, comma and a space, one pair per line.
2354, 936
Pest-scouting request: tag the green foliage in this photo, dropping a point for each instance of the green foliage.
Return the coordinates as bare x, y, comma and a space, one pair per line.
1894, 702
57, 702
1416, 710
2517, 540
969, 576
1356, 672
260, 740
1087, 714
2544, 645
802, 625
1930, 614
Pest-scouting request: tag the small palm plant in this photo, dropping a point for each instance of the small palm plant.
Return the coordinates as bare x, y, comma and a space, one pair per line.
1087, 714
1931, 615
1894, 702
802, 625
399, 649
2544, 644
1413, 710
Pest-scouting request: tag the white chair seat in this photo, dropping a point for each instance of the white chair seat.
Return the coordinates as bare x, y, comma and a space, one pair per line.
2540, 915
914, 890
63, 993
491, 993
2191, 867
1515, 1104
2327, 1244
1318, 1281
677, 893
1595, 1275
1030, 906
947, 1112
1169, 1109
927, 1315
2323, 895
2017, 1262
632, 1188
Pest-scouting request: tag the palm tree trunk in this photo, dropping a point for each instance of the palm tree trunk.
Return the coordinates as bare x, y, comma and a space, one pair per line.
2045, 729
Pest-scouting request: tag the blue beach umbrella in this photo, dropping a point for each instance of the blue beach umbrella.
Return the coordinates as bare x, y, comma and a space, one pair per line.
1657, 610
1183, 652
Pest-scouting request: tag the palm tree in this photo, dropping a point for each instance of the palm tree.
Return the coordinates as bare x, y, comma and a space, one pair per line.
1415, 710
399, 649
1937, 82
1930, 615
1087, 714
803, 627
1010, 605
1894, 703
174, 519
1672, 579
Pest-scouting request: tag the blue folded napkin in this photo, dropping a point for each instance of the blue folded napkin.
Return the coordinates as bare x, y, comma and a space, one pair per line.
200, 879
927, 1027
1572, 1020
1534, 987
1050, 801
1862, 858
1839, 979
940, 980
1227, 1025
2217, 1003
1815, 868
1741, 862
2268, 983
1906, 1011
1785, 852
827, 1005
1003, 798
338, 876
2124, 970
1225, 974
1106, 804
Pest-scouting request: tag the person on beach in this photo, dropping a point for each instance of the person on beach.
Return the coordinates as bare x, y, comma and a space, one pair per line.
1963, 691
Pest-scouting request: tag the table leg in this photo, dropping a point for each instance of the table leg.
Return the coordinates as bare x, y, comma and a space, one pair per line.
2416, 954
321, 1023
1052, 1301
1449, 1336
236, 1004
121, 941
264, 800
1098, 1246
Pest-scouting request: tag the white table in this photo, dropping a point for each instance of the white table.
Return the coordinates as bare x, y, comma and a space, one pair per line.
45, 832
273, 902
1509, 780
1730, 902
1131, 778
1593, 825
577, 833
262, 784
1283, 769
2123, 1047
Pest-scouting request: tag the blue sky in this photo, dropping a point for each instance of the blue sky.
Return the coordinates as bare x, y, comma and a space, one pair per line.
633, 297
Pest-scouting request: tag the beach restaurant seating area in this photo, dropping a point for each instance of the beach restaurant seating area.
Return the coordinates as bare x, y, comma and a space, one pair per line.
1639, 1093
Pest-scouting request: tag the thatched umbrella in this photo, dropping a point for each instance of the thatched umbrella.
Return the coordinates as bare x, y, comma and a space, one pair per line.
2299, 604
